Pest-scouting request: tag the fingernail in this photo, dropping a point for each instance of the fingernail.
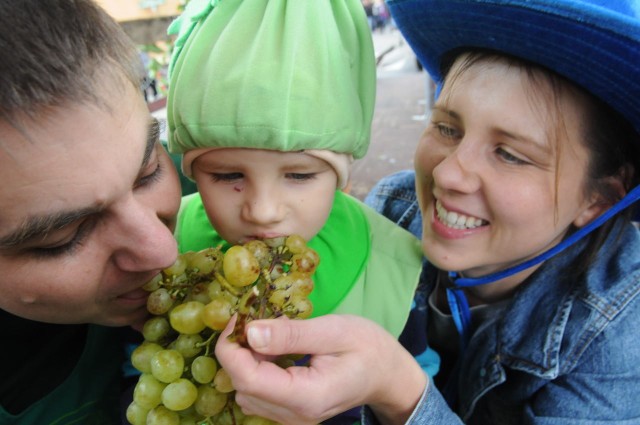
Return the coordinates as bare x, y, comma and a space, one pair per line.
258, 336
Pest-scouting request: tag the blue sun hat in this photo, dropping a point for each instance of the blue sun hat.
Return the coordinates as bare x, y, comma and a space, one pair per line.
594, 43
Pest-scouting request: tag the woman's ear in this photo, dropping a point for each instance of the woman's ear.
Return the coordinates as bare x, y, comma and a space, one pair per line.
600, 203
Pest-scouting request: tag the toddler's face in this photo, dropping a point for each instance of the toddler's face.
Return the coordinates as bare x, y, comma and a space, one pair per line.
256, 193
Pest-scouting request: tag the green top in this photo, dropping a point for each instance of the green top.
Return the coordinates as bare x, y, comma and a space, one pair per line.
369, 266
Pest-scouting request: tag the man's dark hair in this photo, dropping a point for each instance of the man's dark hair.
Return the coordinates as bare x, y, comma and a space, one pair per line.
59, 51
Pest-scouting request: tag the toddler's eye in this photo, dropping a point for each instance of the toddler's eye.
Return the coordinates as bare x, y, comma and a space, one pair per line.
226, 177
301, 176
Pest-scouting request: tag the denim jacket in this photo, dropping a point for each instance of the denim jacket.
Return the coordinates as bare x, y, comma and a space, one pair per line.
563, 350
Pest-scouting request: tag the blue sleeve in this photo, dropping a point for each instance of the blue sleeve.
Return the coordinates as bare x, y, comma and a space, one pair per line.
431, 409
394, 196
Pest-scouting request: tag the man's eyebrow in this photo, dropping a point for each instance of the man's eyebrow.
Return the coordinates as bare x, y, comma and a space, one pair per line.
39, 226
153, 134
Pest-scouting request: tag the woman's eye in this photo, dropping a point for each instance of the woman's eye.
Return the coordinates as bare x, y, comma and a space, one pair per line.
446, 130
301, 176
510, 158
226, 177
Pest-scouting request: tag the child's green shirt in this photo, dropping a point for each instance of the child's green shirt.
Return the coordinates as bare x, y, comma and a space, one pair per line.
368, 267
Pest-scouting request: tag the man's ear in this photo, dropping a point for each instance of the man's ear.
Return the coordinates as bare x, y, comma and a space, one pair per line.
599, 203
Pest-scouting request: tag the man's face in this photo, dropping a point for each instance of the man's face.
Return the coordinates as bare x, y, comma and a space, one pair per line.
87, 205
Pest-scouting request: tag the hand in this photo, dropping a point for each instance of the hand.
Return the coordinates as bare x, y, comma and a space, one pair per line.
354, 362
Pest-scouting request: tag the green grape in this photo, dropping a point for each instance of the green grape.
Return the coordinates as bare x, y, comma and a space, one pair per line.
210, 401
283, 282
232, 415
136, 415
167, 365
160, 415
276, 271
148, 391
296, 244
189, 345
286, 286
153, 284
141, 356
306, 261
186, 318
222, 381
179, 267
203, 369
299, 307
302, 283
215, 290
275, 242
217, 313
206, 261
159, 301
260, 251
179, 395
257, 420
155, 329
192, 302
199, 292
237, 413
189, 412
240, 267
279, 298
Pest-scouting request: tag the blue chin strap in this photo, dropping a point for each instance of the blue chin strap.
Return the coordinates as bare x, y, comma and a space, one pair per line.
458, 301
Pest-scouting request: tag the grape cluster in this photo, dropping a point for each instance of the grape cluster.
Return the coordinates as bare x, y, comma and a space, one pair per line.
191, 302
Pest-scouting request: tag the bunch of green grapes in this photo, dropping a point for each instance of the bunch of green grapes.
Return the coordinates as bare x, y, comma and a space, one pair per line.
191, 302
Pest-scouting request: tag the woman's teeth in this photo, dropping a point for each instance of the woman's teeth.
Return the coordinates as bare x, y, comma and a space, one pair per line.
455, 220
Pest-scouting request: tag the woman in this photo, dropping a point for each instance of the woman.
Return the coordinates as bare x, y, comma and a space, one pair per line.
532, 280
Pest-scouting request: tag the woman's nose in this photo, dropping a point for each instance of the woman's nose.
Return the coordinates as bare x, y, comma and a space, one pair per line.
458, 170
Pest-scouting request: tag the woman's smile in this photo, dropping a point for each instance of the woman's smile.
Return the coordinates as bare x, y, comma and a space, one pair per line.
456, 220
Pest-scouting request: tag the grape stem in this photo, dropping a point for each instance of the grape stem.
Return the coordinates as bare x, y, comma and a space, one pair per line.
208, 343
226, 284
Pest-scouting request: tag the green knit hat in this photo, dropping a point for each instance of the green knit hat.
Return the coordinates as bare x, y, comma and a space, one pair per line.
285, 75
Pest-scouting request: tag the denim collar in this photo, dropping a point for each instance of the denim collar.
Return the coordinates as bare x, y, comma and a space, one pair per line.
556, 314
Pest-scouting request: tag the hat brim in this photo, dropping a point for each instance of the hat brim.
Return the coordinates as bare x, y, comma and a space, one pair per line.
596, 47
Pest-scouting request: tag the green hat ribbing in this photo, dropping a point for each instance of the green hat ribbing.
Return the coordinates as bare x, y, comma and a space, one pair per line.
272, 74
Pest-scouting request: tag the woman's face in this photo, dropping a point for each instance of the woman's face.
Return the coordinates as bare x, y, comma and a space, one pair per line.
494, 186
87, 203
256, 193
